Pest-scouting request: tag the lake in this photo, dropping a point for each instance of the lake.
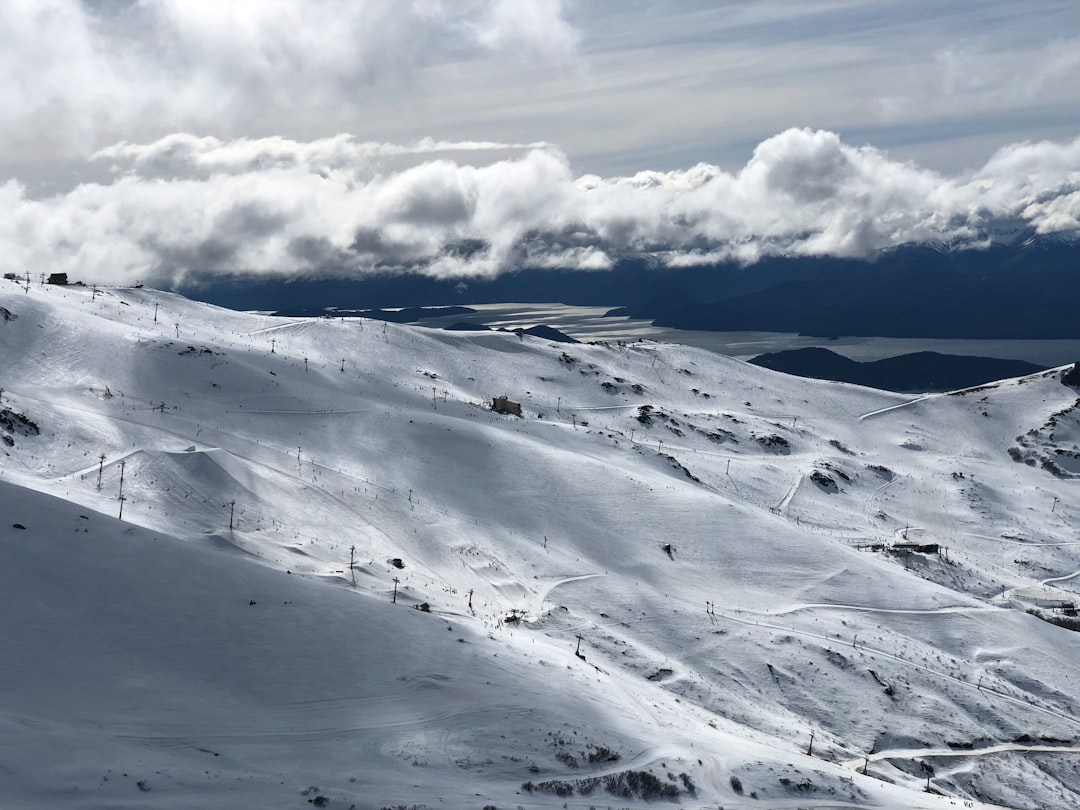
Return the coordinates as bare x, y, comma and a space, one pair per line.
588, 324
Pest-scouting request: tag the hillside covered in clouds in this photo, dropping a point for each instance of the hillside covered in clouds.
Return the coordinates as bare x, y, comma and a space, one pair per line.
676, 576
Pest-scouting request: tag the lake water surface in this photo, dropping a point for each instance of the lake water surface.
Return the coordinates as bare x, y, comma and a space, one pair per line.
588, 324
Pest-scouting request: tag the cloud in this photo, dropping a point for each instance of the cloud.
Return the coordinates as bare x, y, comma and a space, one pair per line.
78, 71
187, 208
619, 86
182, 154
979, 77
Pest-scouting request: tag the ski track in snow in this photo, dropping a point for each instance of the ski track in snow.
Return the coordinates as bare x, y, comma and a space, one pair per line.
891, 408
1021, 542
961, 753
789, 495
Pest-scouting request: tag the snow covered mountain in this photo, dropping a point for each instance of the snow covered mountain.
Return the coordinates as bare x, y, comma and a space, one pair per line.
677, 577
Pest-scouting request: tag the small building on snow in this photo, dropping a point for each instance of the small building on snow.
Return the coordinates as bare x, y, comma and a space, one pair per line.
506, 406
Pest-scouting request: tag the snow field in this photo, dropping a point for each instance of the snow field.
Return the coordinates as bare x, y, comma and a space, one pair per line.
137, 642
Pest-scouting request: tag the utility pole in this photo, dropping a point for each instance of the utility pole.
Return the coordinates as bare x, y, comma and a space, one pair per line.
232, 509
1052, 508
298, 469
178, 330
810, 750
273, 343
352, 562
470, 598
342, 365
394, 599
100, 469
155, 311
93, 292
121, 496
433, 407
577, 652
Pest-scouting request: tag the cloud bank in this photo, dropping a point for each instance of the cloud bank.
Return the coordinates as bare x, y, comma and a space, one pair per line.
185, 208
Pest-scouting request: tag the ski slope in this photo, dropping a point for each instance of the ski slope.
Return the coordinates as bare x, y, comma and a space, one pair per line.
667, 578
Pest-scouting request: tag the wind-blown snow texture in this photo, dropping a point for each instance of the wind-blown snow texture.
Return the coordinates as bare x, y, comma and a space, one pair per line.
168, 661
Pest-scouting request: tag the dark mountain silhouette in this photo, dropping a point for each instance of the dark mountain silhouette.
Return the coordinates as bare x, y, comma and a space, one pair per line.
540, 331
631, 282
919, 371
1026, 293
1026, 290
548, 333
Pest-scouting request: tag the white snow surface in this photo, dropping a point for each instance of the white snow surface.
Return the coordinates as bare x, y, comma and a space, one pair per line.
167, 661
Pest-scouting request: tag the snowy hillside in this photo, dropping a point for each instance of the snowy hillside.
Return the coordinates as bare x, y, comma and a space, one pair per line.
776, 583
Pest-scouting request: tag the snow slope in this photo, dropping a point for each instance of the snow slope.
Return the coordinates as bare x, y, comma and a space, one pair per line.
167, 660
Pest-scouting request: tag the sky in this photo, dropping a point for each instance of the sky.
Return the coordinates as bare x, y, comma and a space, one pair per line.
166, 141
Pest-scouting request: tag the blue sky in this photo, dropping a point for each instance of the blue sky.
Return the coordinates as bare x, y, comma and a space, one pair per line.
599, 110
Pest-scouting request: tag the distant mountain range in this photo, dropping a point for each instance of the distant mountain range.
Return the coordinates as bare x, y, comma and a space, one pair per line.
540, 330
1028, 288
919, 371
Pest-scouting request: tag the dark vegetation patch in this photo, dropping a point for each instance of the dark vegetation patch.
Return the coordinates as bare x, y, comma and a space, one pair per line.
719, 435
778, 444
1036, 448
1072, 376
676, 465
1064, 620
13, 423
623, 785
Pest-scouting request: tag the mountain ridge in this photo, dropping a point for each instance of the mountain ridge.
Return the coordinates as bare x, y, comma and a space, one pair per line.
1025, 287
914, 371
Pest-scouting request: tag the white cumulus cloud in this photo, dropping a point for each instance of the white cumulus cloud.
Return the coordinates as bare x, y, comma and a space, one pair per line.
186, 207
